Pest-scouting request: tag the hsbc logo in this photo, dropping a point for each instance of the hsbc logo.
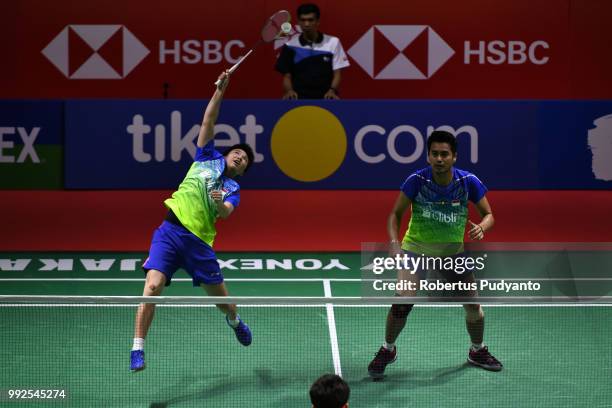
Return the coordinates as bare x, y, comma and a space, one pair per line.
418, 52
401, 52
95, 51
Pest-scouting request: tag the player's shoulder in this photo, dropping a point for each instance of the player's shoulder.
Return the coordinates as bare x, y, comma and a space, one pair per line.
207, 152
418, 179
423, 175
464, 175
460, 173
231, 185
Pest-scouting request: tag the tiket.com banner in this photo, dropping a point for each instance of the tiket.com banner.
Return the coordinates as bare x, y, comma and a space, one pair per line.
436, 49
342, 144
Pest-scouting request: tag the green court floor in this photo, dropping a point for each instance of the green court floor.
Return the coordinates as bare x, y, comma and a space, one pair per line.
553, 355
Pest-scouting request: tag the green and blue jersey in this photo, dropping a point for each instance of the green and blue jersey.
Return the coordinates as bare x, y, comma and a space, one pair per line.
192, 203
439, 213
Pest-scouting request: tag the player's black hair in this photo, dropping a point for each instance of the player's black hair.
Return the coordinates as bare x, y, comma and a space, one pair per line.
442, 136
329, 391
308, 8
244, 147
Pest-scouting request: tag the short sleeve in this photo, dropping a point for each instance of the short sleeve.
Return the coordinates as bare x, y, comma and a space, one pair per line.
410, 187
476, 189
208, 152
233, 198
340, 59
284, 61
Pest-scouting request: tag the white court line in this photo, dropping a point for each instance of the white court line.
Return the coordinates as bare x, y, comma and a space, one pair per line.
176, 279
288, 306
274, 279
134, 305
331, 323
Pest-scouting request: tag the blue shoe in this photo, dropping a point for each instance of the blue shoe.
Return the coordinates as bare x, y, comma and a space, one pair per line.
137, 360
243, 333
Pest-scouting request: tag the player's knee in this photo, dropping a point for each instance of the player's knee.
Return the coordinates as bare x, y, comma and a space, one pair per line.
401, 311
154, 282
154, 287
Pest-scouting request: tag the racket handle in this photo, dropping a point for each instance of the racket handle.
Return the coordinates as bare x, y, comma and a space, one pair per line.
218, 83
230, 71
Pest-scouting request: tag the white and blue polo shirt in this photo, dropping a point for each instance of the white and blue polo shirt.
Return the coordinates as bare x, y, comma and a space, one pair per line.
312, 64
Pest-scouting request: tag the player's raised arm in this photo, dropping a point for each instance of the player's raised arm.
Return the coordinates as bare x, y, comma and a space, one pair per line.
207, 130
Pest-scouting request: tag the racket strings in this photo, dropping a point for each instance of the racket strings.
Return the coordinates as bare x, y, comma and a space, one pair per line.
273, 27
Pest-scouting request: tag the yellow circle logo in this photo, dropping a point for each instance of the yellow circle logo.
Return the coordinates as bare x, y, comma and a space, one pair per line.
308, 143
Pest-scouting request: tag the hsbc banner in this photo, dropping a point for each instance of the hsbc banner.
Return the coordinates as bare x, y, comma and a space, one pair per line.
342, 144
31, 144
435, 49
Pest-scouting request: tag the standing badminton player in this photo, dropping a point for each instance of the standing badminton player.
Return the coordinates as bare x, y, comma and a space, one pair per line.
439, 197
185, 238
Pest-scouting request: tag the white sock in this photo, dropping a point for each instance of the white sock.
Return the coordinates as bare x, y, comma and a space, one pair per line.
138, 344
389, 346
233, 323
477, 347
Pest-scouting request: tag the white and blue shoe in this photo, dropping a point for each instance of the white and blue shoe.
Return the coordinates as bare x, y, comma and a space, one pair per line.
242, 331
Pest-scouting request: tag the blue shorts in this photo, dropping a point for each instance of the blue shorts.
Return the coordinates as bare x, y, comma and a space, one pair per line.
174, 247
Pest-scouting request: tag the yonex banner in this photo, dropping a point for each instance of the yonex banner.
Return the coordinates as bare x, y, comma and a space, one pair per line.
436, 49
342, 144
112, 265
31, 151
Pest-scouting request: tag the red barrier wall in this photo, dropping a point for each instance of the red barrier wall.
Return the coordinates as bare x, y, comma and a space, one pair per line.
469, 49
280, 220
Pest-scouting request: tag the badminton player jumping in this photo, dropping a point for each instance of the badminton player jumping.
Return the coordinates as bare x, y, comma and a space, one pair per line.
185, 238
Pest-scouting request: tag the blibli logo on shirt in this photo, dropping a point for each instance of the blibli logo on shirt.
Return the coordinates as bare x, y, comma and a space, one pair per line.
440, 216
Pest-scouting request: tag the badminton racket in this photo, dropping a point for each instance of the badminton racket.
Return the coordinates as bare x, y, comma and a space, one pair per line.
275, 27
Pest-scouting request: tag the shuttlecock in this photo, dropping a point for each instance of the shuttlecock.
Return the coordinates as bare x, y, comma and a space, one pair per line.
286, 28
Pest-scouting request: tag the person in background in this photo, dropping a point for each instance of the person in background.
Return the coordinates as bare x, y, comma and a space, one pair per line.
311, 62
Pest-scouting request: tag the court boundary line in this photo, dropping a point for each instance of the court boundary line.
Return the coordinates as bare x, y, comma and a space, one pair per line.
570, 305
278, 279
331, 324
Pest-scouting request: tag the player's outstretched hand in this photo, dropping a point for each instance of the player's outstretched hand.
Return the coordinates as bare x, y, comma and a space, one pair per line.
476, 231
223, 80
